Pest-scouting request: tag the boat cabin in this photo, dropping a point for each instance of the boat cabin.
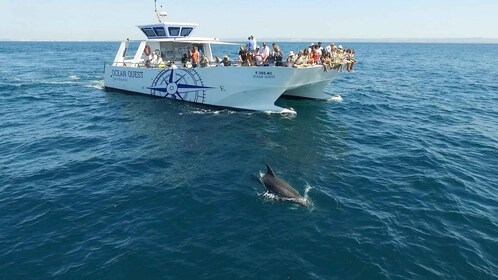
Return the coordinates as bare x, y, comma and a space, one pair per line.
169, 39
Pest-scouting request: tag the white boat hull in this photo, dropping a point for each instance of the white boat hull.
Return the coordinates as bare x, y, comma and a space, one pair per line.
249, 88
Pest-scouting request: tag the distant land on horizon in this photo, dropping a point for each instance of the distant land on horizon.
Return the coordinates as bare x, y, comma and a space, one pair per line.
324, 40
387, 40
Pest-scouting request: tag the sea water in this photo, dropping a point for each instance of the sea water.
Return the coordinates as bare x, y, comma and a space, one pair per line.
400, 166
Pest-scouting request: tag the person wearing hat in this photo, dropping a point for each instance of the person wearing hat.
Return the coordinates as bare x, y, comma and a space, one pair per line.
226, 61
290, 59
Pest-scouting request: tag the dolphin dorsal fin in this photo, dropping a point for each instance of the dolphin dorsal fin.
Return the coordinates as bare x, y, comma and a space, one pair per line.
269, 171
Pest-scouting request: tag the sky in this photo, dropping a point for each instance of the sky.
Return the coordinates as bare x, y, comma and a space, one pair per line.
110, 20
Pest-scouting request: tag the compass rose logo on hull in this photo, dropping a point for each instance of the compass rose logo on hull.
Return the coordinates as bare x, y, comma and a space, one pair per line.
180, 84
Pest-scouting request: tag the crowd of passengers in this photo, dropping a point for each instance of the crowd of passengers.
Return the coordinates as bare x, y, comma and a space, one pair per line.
330, 57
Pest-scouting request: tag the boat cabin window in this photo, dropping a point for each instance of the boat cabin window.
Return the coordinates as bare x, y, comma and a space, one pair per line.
174, 31
160, 31
186, 31
174, 51
149, 32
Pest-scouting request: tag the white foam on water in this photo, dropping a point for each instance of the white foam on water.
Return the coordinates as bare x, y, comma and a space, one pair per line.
307, 189
209, 112
57, 82
336, 98
284, 112
206, 111
216, 112
74, 77
96, 84
270, 197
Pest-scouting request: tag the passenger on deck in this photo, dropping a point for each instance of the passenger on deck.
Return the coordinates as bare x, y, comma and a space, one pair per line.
327, 61
309, 50
278, 55
265, 53
250, 58
194, 54
157, 60
149, 60
337, 58
316, 55
328, 49
185, 60
172, 65
204, 61
349, 56
152, 61
354, 59
251, 43
217, 59
271, 57
307, 54
290, 59
243, 57
226, 61
301, 60
258, 58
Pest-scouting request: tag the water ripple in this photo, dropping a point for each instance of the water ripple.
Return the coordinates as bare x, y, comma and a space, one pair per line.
400, 171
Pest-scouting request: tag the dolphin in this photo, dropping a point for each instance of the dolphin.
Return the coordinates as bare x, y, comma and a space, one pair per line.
281, 188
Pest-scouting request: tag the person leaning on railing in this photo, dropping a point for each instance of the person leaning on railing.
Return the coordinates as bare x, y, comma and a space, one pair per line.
226, 61
204, 61
243, 57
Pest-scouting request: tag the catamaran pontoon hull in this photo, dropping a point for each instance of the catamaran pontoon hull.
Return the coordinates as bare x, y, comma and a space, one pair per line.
242, 87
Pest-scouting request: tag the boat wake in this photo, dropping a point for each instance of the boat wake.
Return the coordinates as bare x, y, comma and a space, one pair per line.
336, 98
97, 84
209, 112
286, 113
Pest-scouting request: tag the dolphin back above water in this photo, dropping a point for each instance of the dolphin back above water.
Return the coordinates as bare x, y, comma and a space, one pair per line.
281, 188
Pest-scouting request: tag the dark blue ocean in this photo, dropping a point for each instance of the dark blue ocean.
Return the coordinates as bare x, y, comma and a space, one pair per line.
401, 171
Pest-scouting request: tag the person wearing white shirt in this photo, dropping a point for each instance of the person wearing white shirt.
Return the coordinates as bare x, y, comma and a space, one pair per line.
264, 51
328, 49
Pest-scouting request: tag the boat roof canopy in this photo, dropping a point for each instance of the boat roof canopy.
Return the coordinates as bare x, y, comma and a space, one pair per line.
167, 30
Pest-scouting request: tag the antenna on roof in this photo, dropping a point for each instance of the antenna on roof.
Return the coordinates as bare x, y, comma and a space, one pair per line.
159, 14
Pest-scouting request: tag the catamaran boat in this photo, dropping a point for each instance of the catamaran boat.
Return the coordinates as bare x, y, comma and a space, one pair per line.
241, 87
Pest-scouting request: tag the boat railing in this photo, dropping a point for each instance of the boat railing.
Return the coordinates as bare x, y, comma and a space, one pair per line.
235, 63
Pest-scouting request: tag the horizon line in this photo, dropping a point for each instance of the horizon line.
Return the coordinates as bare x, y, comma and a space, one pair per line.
455, 40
